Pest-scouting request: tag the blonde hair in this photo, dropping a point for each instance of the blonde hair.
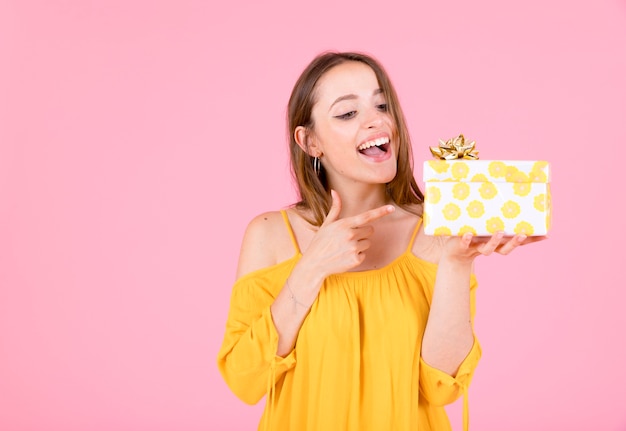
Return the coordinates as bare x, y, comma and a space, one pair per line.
313, 188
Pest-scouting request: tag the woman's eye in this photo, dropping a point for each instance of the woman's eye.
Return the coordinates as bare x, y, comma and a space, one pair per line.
382, 107
347, 115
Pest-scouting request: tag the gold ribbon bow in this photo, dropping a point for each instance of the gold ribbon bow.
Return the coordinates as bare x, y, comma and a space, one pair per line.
455, 148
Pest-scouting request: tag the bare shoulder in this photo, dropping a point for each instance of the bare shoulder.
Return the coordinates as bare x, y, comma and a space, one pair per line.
262, 242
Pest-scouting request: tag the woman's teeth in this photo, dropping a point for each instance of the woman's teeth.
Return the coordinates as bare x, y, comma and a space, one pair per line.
376, 142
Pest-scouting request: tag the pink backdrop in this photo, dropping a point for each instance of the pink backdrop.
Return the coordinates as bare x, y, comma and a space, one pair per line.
138, 138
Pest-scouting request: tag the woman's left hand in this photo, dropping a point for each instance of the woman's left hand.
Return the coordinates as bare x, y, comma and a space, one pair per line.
467, 247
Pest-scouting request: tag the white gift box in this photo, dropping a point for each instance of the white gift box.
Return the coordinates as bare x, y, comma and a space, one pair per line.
486, 196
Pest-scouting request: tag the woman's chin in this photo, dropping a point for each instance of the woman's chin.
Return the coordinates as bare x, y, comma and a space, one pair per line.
385, 178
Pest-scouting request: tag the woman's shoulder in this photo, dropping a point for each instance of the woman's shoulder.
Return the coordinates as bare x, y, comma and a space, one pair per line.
264, 240
265, 223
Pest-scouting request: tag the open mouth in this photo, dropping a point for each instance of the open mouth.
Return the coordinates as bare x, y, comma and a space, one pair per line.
374, 147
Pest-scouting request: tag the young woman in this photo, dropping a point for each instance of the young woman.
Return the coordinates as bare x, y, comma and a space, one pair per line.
344, 313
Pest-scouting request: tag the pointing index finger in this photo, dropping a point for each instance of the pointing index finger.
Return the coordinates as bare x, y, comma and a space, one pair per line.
371, 215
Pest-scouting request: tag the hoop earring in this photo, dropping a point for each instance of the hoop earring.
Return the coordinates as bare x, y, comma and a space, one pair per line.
316, 165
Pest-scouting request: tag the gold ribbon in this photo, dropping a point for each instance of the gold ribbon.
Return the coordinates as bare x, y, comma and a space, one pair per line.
455, 148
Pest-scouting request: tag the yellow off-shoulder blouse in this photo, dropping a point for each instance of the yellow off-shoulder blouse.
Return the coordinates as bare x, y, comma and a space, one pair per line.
356, 365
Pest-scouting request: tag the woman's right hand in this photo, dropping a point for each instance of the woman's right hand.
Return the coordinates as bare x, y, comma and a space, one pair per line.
340, 244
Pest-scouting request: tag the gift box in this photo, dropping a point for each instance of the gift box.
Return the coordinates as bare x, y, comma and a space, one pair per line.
486, 196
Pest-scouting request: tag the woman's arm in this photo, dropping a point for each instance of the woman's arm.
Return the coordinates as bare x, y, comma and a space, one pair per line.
449, 335
337, 246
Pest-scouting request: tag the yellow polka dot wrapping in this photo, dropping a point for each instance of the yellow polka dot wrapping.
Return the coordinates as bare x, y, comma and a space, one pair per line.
487, 196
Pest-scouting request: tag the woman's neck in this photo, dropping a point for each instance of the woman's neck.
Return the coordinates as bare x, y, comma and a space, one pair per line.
356, 199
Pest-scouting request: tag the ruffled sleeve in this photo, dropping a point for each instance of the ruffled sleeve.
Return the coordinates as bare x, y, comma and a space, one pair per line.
247, 359
440, 388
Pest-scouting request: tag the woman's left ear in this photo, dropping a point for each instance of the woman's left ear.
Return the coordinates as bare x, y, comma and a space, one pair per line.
303, 138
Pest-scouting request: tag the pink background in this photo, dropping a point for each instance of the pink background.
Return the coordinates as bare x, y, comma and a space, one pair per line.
138, 138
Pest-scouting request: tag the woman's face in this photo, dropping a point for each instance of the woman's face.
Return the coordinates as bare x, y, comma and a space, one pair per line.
353, 129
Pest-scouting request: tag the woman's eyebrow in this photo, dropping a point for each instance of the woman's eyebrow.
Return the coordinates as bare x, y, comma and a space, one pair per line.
353, 96
346, 97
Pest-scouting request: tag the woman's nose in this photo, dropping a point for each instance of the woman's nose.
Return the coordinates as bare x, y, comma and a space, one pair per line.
374, 118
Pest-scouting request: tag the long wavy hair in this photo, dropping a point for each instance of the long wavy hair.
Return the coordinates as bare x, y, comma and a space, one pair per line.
313, 189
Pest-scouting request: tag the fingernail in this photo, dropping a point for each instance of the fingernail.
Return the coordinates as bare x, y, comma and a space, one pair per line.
521, 238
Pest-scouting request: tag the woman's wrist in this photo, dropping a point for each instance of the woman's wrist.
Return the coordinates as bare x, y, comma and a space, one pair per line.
304, 284
458, 264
